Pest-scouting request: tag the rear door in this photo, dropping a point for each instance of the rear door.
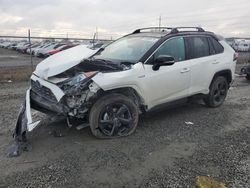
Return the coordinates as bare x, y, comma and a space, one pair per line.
169, 82
204, 61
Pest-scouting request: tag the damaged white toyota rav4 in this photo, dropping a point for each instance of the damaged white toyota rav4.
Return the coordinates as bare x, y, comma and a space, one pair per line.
108, 88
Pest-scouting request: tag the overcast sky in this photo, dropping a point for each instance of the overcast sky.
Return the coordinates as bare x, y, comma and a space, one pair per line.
113, 18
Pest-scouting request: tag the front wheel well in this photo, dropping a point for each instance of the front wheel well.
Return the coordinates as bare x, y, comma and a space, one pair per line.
131, 93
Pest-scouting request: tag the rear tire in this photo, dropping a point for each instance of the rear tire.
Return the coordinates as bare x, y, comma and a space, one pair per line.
113, 115
217, 92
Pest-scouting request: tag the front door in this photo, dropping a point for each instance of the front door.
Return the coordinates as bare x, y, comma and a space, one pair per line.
169, 82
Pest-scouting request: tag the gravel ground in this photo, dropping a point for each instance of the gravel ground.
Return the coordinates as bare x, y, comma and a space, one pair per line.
11, 58
163, 152
15, 66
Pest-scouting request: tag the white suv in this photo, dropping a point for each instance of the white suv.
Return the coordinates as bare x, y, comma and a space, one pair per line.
109, 87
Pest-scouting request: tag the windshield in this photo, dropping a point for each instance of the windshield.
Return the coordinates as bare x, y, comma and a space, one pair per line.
127, 49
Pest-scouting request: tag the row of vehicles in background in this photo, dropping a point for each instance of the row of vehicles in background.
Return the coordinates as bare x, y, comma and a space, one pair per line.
45, 48
240, 45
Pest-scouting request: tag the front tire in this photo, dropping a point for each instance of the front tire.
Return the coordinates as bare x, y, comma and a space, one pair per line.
113, 115
217, 92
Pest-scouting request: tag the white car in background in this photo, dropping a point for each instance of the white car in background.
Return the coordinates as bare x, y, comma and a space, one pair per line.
36, 51
33, 46
241, 45
43, 52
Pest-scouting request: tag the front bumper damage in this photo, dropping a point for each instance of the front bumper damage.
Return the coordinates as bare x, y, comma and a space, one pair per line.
49, 98
24, 124
24, 121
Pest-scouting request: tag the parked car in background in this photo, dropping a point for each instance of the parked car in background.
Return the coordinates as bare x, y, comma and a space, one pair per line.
33, 50
5, 44
96, 45
36, 51
59, 49
246, 70
21, 45
25, 47
13, 45
43, 51
46, 48
241, 45
33, 46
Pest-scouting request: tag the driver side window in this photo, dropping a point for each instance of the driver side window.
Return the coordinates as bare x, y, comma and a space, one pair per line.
174, 47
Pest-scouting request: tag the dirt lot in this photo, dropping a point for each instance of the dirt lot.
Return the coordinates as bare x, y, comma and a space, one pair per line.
164, 151
15, 66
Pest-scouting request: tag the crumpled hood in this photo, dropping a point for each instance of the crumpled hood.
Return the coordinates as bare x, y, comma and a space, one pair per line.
63, 61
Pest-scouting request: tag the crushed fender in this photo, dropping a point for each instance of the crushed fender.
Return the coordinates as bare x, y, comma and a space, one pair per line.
208, 182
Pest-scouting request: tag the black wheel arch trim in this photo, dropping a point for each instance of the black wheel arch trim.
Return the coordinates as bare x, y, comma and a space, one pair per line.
227, 73
131, 93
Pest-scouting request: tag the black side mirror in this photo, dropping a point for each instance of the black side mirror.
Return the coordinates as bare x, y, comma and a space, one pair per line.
163, 60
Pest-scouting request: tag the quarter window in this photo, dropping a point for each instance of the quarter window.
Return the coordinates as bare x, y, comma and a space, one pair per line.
217, 46
174, 47
211, 47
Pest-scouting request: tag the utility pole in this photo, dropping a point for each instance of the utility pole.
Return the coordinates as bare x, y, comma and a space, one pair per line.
31, 60
159, 22
96, 33
93, 41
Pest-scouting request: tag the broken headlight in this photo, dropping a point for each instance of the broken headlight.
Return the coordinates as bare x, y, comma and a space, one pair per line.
75, 85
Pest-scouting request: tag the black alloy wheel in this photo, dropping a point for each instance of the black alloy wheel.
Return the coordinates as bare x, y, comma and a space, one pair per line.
113, 115
115, 119
218, 92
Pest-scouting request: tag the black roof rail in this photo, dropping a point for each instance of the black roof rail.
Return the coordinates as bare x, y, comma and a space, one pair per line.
176, 29
173, 30
161, 29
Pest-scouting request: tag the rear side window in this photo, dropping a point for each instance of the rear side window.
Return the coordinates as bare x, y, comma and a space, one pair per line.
174, 47
197, 47
211, 47
216, 45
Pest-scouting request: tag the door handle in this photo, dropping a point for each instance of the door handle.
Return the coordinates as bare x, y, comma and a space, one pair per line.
185, 70
215, 62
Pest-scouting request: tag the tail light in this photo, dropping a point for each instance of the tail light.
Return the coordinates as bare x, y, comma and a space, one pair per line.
236, 56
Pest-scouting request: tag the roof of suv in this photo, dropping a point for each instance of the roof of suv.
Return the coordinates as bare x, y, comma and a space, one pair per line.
165, 31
